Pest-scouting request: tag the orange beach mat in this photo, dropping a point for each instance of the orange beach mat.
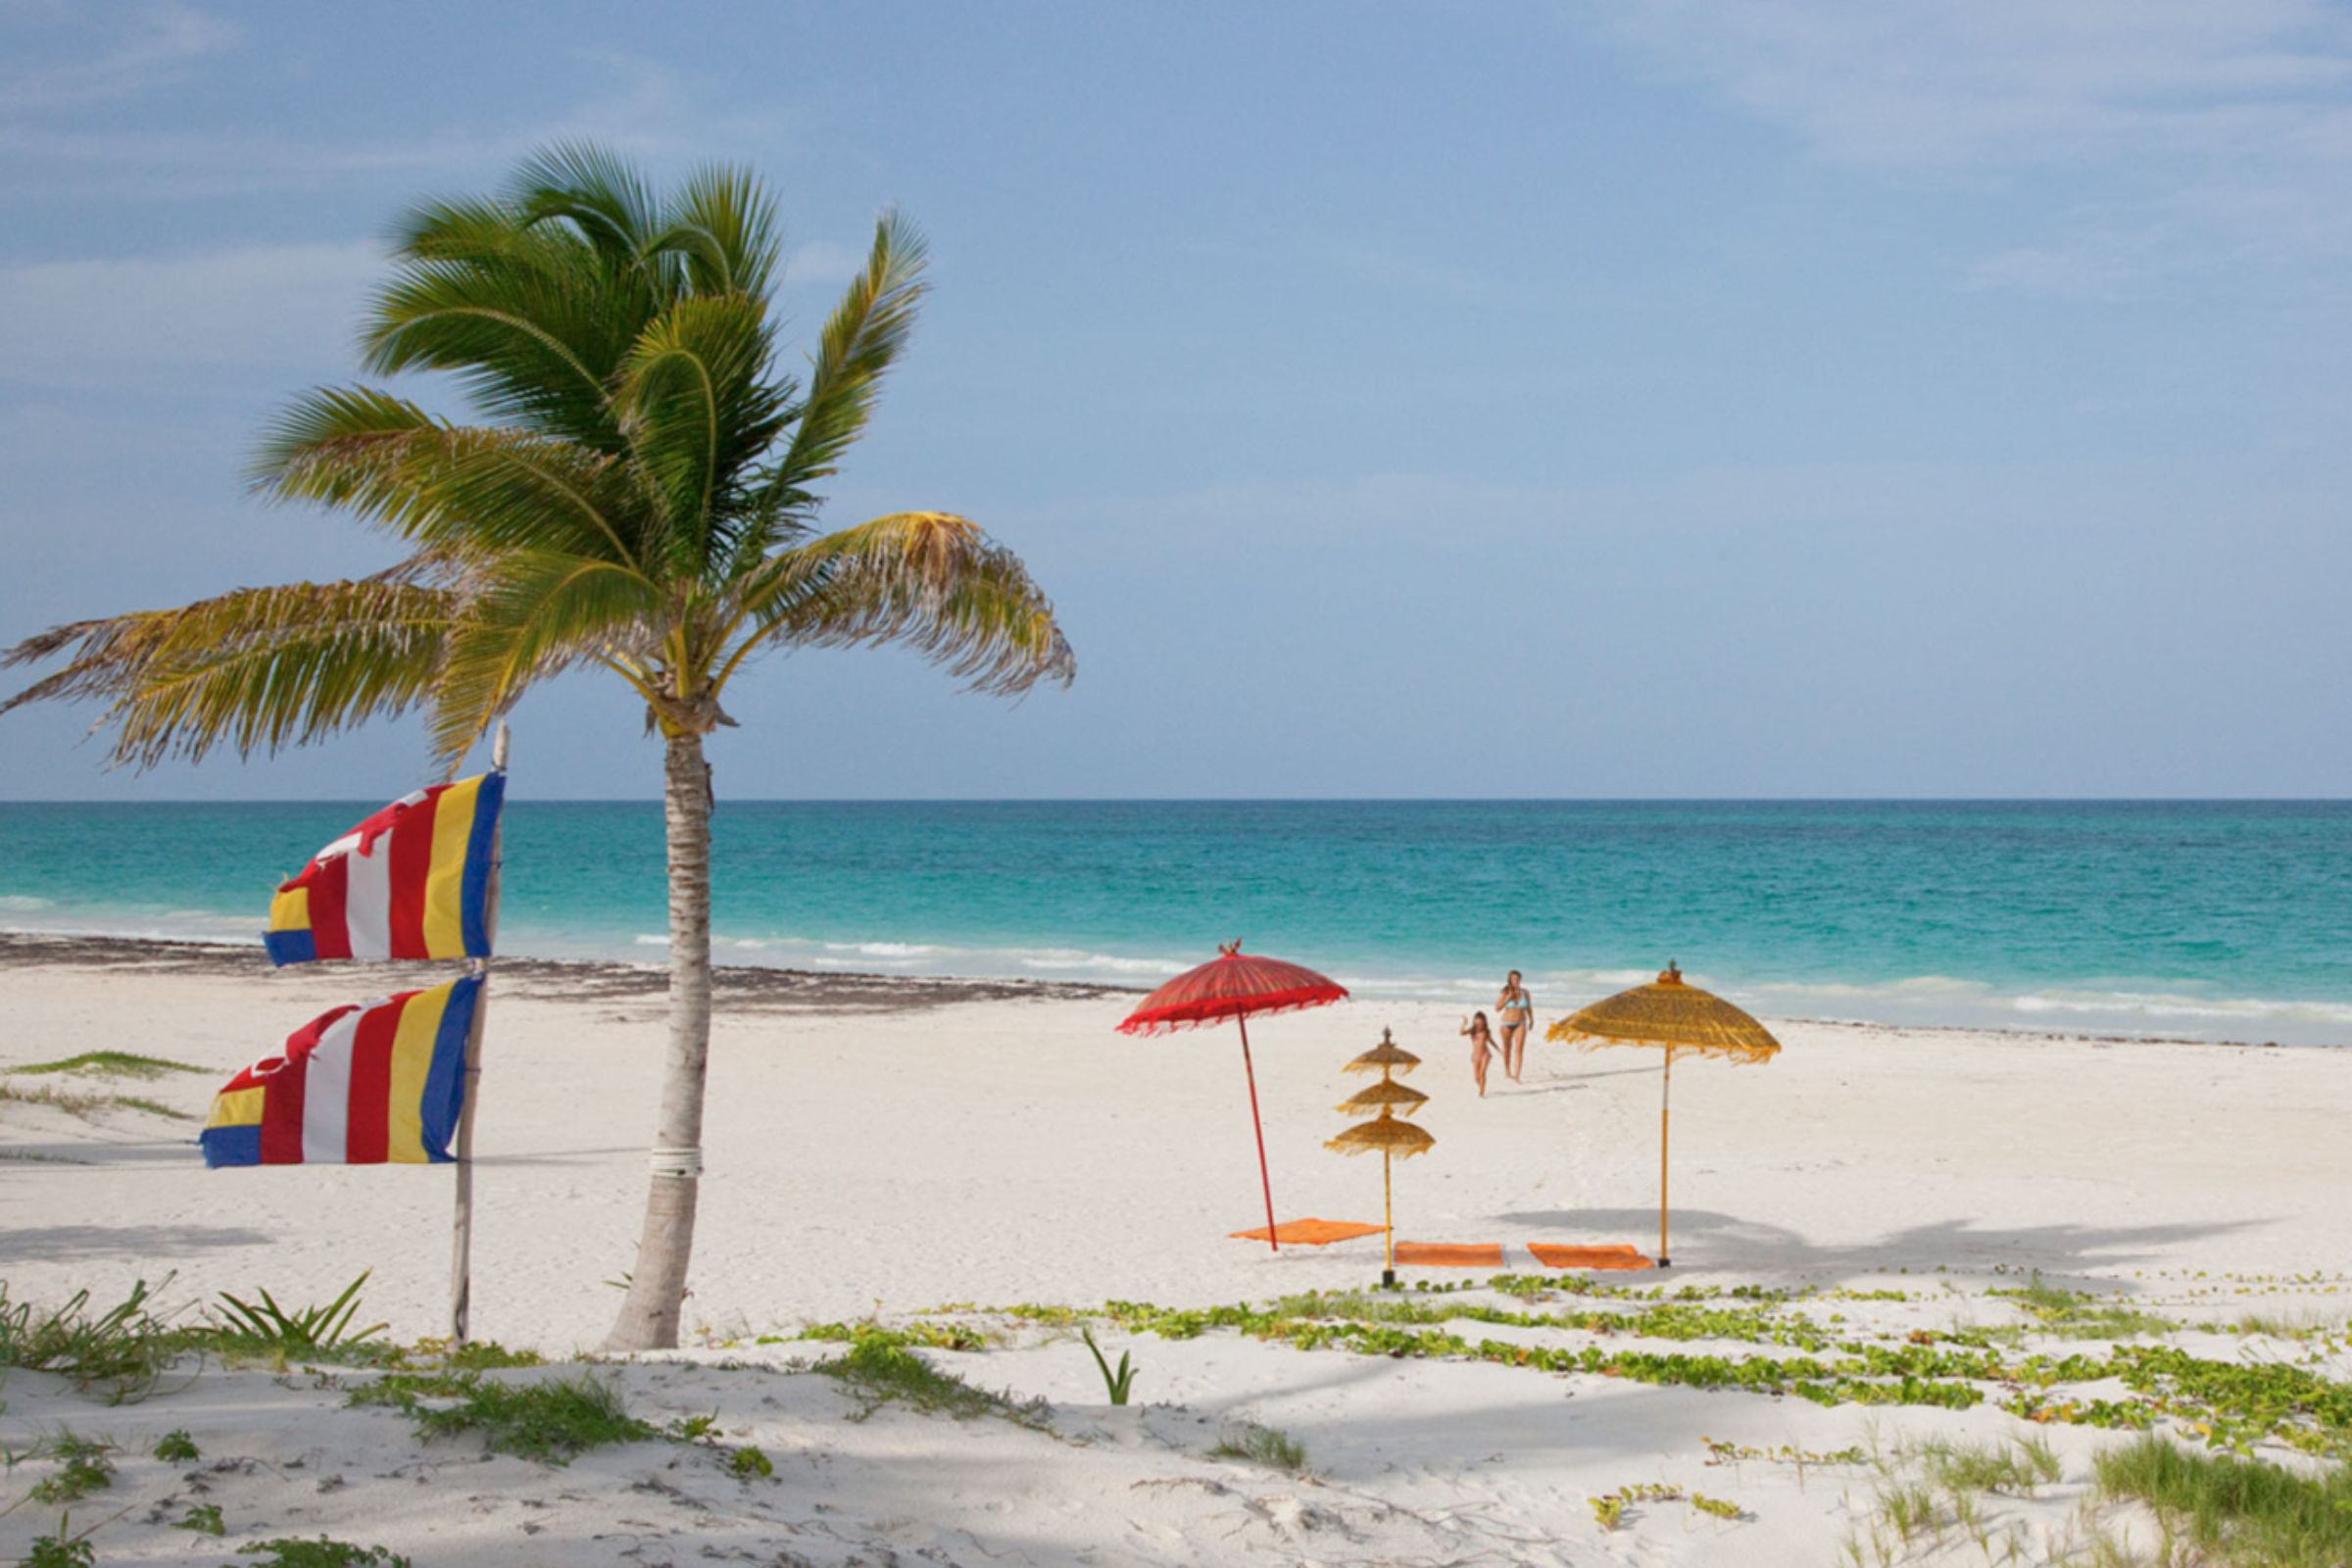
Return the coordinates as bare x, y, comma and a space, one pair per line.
1310, 1232
1619, 1257
1442, 1254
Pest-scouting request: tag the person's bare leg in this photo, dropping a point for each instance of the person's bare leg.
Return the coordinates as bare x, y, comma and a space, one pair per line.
1514, 1047
1478, 1069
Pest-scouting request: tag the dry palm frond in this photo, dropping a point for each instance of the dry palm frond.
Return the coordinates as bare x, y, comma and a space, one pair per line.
258, 669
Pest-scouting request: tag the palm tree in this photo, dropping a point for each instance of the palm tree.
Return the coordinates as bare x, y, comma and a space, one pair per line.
640, 499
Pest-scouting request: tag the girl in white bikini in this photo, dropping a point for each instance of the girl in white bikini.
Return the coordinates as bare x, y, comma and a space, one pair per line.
1514, 1010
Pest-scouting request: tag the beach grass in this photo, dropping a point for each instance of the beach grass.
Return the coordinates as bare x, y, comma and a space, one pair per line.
2238, 1513
109, 1064
1269, 1446
83, 1105
2015, 1468
118, 1352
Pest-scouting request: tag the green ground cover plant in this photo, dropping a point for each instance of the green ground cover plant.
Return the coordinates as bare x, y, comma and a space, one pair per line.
322, 1552
883, 1371
2231, 1404
61, 1550
1721, 1452
929, 1336
202, 1519
550, 1421
176, 1447
1611, 1510
82, 1469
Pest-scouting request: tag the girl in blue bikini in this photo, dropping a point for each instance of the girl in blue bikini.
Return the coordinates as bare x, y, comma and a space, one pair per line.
1514, 1012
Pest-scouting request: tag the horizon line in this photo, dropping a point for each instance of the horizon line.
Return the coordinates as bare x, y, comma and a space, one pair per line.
1271, 800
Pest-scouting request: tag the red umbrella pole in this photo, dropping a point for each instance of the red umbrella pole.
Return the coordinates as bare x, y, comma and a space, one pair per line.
1257, 1126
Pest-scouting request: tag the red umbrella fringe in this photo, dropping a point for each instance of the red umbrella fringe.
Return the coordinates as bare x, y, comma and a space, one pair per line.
1193, 1015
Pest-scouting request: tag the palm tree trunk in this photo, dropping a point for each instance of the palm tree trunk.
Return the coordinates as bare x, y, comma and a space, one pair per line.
648, 1317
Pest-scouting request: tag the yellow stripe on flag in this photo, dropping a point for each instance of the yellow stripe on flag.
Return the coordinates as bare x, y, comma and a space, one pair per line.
412, 1060
291, 911
445, 883
237, 1108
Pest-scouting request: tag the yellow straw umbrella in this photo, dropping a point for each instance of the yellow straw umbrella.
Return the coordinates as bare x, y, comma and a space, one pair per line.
1391, 1138
1679, 1017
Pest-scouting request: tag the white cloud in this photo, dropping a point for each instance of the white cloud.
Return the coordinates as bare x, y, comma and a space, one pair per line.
153, 47
2197, 120
1956, 82
101, 322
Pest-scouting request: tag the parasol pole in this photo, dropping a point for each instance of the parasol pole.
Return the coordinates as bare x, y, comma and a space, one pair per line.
460, 1261
1265, 1182
1665, 1094
1388, 1215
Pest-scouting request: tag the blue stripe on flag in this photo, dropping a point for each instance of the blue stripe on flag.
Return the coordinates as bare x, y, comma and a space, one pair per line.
231, 1145
475, 892
291, 947
445, 1080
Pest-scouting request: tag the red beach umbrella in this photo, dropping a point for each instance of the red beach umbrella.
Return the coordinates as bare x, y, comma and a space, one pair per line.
1234, 985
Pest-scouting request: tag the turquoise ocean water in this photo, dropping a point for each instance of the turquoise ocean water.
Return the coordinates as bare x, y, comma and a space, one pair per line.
2222, 920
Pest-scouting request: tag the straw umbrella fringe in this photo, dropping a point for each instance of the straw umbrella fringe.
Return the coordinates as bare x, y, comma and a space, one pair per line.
1373, 1099
1384, 1134
1677, 1017
1394, 1140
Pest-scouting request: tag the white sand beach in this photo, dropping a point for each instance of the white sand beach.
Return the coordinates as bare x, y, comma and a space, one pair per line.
891, 1148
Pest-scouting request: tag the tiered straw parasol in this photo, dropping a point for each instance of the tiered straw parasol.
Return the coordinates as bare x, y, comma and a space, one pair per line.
1393, 1138
1679, 1017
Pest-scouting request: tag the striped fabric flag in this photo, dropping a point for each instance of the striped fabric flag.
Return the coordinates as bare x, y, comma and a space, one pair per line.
380, 1082
410, 882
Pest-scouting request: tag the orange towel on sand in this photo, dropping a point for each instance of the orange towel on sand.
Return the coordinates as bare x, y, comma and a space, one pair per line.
1619, 1257
1443, 1254
1310, 1232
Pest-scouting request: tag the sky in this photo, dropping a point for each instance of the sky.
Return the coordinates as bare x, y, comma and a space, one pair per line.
1715, 398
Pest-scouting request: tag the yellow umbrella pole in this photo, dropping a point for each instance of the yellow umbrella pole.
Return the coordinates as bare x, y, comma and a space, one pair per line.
1388, 1216
1665, 1095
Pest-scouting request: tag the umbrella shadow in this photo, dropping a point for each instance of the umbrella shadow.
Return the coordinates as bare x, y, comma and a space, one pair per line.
1715, 1239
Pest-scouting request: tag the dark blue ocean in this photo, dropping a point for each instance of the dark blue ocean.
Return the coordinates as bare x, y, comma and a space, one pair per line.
2222, 920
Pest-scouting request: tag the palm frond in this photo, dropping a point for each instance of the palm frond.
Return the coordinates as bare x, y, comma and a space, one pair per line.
461, 490
698, 413
725, 228
600, 193
926, 580
861, 340
255, 669
541, 613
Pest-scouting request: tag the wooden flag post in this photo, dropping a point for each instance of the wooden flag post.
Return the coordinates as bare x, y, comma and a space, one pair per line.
461, 1262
